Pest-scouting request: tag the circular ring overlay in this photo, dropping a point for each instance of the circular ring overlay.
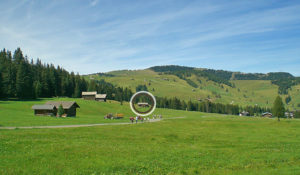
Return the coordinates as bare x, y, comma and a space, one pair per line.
140, 93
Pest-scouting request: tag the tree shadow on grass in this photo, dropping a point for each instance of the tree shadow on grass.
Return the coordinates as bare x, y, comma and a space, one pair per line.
4, 100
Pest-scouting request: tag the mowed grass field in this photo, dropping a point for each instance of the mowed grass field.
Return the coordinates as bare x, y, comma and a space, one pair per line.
246, 92
200, 143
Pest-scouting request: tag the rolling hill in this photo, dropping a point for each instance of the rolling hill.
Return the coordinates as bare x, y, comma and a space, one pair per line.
219, 86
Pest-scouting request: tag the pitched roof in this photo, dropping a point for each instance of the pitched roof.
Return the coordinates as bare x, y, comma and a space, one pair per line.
89, 93
44, 107
101, 96
65, 104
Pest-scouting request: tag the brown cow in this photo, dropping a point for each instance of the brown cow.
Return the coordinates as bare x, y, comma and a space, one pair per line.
131, 119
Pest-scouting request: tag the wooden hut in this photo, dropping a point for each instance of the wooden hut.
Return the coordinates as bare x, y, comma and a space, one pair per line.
101, 97
267, 114
48, 110
143, 104
89, 95
244, 113
68, 106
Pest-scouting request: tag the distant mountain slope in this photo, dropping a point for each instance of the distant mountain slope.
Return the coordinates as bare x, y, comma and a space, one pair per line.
282, 79
206, 84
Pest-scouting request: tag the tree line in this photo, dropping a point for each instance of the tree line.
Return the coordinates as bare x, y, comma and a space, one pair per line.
207, 106
24, 79
184, 73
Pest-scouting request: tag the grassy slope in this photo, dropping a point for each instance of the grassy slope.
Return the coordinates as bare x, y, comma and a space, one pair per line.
19, 113
199, 143
251, 92
295, 94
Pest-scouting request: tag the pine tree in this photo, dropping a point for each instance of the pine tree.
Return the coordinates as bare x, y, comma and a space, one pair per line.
20, 80
60, 110
288, 99
1, 91
189, 105
297, 114
9, 75
77, 92
92, 86
278, 108
38, 89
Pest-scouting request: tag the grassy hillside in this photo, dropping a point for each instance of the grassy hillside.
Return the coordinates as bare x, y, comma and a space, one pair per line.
19, 113
200, 143
243, 92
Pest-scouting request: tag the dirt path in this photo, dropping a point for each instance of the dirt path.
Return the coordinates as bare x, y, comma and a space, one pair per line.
83, 125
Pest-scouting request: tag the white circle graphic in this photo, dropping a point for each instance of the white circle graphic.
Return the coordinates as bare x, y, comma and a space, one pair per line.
138, 93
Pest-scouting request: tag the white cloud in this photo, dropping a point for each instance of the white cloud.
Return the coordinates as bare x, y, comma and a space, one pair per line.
94, 2
117, 35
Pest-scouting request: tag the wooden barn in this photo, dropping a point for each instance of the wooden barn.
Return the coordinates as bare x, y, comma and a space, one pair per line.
143, 104
267, 114
48, 110
244, 113
101, 97
89, 95
68, 106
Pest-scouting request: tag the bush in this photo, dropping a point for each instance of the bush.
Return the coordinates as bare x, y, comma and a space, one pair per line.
297, 114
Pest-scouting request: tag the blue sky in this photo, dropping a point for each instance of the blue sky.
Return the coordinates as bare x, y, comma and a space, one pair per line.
91, 36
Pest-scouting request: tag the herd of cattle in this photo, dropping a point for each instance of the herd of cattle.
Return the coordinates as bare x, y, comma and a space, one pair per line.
137, 118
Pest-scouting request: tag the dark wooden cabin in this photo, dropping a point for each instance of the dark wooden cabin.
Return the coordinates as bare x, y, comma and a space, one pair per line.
47, 109
68, 106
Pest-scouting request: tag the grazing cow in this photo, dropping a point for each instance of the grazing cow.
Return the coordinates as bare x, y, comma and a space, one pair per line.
131, 119
109, 116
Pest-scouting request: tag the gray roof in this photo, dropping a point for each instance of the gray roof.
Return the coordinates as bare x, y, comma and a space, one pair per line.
101, 96
43, 107
266, 113
65, 104
89, 93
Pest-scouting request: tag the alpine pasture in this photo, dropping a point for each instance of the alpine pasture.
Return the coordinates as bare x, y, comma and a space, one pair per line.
196, 143
245, 92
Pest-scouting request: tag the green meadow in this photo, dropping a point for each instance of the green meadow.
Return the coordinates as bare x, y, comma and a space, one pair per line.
246, 92
196, 143
19, 113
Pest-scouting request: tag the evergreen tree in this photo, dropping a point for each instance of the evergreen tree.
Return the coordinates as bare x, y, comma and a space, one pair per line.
60, 110
278, 108
37, 89
9, 75
297, 114
77, 91
288, 99
92, 86
1, 91
24, 81
189, 105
